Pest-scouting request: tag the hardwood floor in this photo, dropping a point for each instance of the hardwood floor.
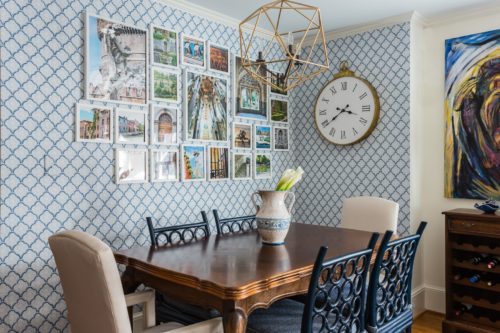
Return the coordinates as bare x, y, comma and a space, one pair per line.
428, 322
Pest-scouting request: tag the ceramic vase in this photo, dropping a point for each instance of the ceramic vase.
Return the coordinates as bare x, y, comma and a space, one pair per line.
273, 216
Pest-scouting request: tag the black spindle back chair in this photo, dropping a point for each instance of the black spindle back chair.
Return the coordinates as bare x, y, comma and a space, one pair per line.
178, 234
234, 224
337, 292
389, 292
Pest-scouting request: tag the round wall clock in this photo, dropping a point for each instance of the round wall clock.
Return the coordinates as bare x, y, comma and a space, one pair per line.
347, 109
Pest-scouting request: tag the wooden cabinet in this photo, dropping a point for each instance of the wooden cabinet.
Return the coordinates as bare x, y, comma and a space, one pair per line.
472, 272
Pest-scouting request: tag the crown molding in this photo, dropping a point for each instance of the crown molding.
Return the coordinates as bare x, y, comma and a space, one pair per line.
210, 14
462, 14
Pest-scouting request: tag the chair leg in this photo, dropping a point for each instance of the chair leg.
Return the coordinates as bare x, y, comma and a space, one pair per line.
408, 329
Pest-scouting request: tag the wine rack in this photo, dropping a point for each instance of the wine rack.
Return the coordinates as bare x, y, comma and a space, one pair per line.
472, 272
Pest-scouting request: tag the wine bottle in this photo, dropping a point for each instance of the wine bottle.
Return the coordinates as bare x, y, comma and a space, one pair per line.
462, 308
457, 277
475, 278
490, 283
476, 260
492, 262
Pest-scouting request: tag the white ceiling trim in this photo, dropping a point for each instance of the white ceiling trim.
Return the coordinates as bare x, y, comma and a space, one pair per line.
462, 14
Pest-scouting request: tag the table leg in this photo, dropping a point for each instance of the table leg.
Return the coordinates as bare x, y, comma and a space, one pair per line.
129, 286
234, 321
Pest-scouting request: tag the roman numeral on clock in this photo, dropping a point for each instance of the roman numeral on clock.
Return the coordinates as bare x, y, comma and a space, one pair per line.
332, 131
325, 100
354, 132
344, 85
355, 86
333, 90
325, 123
365, 108
322, 112
363, 95
363, 121
342, 134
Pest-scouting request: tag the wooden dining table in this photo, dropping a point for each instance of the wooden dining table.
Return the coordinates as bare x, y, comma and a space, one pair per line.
236, 274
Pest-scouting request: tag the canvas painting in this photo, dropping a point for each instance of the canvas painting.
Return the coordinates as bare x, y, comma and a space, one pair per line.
130, 126
193, 51
262, 137
164, 45
206, 107
115, 68
263, 166
281, 138
218, 58
165, 85
242, 136
164, 165
472, 108
131, 166
218, 163
279, 110
93, 123
242, 166
193, 163
164, 129
250, 94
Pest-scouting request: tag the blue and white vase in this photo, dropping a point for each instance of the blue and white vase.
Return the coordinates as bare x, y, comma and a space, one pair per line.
273, 216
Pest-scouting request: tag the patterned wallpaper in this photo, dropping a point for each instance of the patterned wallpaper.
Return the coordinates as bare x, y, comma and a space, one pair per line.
379, 165
42, 79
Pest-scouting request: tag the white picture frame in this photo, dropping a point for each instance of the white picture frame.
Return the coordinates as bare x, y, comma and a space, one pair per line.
136, 160
236, 163
259, 143
257, 174
170, 73
189, 61
209, 58
81, 115
93, 72
277, 140
135, 115
279, 100
236, 134
155, 111
210, 163
187, 110
154, 155
188, 153
275, 92
153, 61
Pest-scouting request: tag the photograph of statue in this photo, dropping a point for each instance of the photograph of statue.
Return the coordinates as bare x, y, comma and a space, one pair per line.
115, 62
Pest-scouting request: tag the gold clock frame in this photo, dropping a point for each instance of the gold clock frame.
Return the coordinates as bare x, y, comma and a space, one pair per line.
346, 72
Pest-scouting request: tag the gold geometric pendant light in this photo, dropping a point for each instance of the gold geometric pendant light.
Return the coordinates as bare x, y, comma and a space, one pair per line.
293, 63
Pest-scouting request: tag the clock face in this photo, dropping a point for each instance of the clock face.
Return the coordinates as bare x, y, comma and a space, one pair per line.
346, 110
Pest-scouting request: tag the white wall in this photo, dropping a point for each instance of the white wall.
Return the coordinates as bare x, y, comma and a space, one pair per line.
428, 164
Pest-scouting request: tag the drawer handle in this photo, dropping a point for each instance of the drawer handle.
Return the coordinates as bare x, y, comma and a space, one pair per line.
468, 224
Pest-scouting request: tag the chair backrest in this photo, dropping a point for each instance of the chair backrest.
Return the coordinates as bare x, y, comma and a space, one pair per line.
91, 283
389, 291
337, 292
234, 224
370, 214
178, 234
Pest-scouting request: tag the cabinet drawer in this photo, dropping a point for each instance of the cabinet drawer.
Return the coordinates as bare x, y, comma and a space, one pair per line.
469, 226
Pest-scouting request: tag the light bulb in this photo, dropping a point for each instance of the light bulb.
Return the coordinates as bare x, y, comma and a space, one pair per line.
290, 38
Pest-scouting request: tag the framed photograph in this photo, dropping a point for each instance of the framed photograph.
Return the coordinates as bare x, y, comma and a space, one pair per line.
206, 117
218, 58
164, 85
164, 165
242, 136
130, 126
93, 123
164, 125
279, 110
131, 166
281, 138
280, 86
262, 137
218, 163
262, 168
193, 51
164, 47
250, 94
193, 163
115, 61
242, 166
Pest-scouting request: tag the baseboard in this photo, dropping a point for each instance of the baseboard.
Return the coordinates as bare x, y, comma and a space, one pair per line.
435, 298
418, 301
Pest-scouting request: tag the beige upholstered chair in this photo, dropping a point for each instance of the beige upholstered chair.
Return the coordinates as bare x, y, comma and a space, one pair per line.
370, 214
93, 290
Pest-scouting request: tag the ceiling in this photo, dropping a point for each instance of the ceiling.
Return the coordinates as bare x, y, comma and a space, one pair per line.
341, 13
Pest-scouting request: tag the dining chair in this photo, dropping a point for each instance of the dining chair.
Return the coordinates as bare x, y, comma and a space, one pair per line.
370, 214
168, 309
234, 224
389, 292
335, 301
94, 294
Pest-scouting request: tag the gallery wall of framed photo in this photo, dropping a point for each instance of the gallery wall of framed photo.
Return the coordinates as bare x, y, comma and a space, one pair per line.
177, 107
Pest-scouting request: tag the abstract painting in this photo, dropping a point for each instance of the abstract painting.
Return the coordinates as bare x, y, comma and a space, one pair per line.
206, 106
472, 108
115, 62
193, 163
250, 94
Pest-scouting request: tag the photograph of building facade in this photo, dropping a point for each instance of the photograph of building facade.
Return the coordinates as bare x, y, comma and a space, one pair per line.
164, 47
131, 126
206, 117
250, 94
164, 122
218, 163
242, 166
94, 123
116, 62
281, 138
